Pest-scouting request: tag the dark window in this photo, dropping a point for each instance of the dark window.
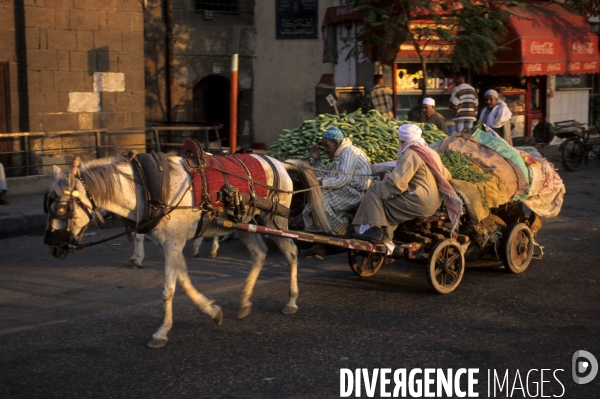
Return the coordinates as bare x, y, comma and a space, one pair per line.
582, 81
223, 6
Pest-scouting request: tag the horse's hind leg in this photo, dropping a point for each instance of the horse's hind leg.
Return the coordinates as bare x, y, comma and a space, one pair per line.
138, 252
215, 247
290, 252
258, 251
196, 247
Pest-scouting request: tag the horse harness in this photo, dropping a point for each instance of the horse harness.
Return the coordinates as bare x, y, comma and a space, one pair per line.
239, 206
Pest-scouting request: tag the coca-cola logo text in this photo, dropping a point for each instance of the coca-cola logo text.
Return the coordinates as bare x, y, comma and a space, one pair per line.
542, 48
344, 10
582, 48
555, 67
589, 66
574, 66
534, 68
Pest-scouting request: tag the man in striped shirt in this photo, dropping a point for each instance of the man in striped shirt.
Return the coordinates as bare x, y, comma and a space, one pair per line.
343, 190
380, 97
464, 101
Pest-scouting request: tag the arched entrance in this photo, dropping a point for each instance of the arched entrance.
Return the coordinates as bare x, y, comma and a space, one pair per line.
211, 103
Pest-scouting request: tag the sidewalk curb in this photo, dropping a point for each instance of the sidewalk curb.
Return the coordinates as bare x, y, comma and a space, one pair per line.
22, 224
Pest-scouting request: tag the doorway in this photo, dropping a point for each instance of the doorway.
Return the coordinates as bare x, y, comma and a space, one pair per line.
211, 104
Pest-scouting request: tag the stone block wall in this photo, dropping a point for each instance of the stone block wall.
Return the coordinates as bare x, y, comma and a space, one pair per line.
62, 51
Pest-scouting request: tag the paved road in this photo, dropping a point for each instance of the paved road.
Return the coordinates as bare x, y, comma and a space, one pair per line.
77, 328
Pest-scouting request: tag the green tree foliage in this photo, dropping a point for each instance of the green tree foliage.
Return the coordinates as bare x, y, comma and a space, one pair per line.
472, 28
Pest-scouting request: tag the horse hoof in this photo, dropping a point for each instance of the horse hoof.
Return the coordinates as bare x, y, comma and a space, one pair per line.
244, 311
195, 254
157, 342
218, 315
135, 266
290, 309
213, 255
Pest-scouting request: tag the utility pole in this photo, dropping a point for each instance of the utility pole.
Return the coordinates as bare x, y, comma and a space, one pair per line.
234, 90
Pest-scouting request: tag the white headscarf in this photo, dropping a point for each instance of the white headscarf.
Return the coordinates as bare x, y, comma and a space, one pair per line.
491, 93
409, 134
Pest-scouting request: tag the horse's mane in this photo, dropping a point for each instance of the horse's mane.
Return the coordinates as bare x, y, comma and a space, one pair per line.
102, 176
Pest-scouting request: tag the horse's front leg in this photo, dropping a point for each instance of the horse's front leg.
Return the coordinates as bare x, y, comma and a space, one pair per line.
176, 271
258, 251
172, 261
138, 252
290, 252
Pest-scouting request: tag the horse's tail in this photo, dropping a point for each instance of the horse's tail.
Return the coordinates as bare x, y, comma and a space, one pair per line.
315, 195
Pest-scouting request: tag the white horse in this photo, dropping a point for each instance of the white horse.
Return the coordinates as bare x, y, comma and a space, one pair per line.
112, 186
138, 255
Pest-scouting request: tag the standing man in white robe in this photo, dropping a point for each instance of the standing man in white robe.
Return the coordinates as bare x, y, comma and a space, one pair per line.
496, 115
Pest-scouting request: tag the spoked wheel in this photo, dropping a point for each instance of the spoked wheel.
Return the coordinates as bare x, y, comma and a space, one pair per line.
517, 249
573, 154
363, 263
446, 266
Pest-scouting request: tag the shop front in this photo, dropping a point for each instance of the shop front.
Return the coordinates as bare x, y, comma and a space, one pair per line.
547, 67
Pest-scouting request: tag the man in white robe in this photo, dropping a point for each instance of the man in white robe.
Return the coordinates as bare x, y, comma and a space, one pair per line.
496, 115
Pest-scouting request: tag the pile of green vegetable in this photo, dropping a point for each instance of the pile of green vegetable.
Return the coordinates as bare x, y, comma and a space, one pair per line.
374, 133
462, 168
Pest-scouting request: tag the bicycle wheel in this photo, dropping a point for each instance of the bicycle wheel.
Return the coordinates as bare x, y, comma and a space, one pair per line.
573, 154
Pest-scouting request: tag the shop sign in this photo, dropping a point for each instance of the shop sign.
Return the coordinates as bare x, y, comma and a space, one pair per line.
582, 48
542, 48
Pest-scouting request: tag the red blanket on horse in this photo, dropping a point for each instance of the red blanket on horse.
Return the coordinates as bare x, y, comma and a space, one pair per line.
216, 179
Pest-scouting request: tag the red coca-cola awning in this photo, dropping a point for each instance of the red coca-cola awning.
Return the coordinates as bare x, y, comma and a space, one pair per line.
337, 14
547, 39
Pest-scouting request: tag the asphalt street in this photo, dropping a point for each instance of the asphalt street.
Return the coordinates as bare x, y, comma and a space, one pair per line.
78, 327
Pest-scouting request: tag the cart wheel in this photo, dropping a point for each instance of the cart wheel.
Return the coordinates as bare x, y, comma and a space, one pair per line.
363, 263
446, 266
517, 250
573, 154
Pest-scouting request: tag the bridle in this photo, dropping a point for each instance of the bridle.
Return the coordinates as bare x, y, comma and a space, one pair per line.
64, 238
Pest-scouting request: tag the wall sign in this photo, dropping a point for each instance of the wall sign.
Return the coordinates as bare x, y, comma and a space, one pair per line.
297, 19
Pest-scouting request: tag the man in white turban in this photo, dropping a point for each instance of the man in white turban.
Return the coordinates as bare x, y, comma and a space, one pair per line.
496, 115
413, 189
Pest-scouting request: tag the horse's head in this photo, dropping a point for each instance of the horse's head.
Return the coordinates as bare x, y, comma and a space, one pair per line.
69, 212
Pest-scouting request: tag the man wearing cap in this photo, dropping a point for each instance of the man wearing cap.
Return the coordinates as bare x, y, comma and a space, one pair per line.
430, 115
380, 97
344, 184
496, 115
415, 188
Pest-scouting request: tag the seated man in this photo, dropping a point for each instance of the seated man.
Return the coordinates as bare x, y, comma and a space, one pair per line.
414, 189
343, 190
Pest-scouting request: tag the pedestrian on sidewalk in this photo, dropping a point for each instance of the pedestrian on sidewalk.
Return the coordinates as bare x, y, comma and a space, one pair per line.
380, 97
3, 188
464, 101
